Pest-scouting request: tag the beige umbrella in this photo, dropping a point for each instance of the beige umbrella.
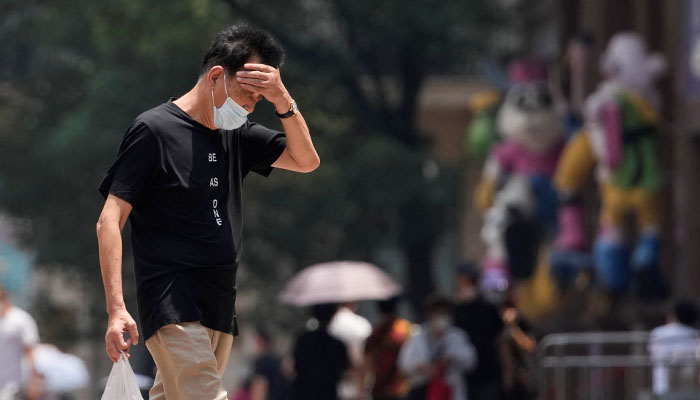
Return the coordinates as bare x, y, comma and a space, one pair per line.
339, 282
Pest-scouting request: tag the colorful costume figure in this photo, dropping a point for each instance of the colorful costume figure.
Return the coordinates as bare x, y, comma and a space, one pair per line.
481, 130
618, 141
516, 191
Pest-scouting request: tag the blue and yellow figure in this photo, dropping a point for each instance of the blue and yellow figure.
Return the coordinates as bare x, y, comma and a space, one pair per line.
618, 142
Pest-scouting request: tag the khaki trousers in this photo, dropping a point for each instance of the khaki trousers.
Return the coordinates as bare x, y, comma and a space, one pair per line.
191, 359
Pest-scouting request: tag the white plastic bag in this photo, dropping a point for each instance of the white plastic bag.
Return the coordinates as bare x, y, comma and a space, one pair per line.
121, 384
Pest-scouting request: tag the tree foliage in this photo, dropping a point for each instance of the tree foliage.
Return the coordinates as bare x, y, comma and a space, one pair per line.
74, 75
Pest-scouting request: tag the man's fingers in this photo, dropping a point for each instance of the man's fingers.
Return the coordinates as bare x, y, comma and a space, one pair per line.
251, 88
134, 333
121, 343
253, 82
117, 338
259, 67
253, 74
112, 351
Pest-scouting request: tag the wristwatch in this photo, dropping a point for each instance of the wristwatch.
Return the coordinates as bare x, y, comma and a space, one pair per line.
293, 109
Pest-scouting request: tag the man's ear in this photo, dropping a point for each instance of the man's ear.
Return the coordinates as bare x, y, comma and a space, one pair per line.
213, 74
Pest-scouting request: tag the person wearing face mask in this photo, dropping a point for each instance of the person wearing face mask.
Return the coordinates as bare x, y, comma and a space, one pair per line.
437, 356
177, 177
484, 325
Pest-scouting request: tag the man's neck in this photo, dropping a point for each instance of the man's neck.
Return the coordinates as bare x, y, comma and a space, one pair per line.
197, 105
5, 307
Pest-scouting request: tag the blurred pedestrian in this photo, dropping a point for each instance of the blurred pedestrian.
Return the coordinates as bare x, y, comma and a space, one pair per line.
353, 330
19, 337
243, 392
436, 358
519, 355
320, 360
269, 381
382, 353
178, 178
674, 346
482, 322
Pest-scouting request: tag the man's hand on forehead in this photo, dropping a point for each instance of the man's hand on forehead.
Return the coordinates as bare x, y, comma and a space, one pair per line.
255, 74
264, 80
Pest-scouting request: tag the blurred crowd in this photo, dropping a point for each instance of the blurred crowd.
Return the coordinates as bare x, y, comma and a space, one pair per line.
466, 347
30, 370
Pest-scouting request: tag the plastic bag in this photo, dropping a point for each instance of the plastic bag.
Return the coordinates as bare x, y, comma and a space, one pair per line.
121, 384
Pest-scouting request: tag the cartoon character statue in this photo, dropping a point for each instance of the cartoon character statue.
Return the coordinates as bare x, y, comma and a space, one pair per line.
515, 191
618, 141
481, 130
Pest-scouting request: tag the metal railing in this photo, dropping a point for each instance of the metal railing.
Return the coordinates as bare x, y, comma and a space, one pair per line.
610, 365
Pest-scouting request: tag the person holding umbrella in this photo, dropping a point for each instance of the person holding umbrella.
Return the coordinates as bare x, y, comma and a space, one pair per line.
320, 360
340, 282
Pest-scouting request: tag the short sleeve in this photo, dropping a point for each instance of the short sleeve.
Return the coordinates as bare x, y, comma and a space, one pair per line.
30, 333
133, 170
261, 147
264, 367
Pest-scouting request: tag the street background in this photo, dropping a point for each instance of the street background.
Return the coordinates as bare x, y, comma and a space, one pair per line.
385, 87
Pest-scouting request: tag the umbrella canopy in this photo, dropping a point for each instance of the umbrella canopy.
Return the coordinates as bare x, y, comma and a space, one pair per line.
339, 282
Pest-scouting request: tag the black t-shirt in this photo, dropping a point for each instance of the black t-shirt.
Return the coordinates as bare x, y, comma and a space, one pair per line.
183, 181
482, 322
319, 361
270, 367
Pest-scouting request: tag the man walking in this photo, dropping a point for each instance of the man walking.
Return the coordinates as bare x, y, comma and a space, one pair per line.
177, 177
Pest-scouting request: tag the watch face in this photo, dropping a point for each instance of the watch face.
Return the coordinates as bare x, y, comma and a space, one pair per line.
294, 106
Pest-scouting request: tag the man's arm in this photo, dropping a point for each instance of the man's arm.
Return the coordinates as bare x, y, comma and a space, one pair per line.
300, 154
258, 388
109, 228
461, 352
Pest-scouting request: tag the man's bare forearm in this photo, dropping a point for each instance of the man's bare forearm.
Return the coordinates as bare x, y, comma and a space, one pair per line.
110, 247
299, 144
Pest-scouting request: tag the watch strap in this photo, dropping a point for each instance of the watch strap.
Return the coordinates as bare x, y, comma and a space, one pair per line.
292, 110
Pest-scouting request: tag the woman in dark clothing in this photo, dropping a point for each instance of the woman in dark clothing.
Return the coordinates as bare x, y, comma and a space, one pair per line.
520, 347
319, 359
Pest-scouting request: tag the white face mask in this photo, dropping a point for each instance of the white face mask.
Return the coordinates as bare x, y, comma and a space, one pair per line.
231, 115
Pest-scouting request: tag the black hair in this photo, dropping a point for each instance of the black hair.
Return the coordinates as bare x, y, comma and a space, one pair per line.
468, 269
686, 312
437, 303
234, 45
388, 306
324, 313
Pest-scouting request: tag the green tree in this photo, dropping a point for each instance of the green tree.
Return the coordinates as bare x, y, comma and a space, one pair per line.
73, 76
365, 63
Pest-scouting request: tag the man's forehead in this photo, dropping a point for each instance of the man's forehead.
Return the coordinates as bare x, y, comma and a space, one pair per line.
254, 59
